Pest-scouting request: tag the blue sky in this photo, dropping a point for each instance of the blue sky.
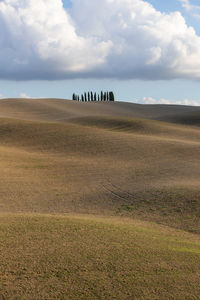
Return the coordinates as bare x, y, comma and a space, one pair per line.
174, 5
140, 73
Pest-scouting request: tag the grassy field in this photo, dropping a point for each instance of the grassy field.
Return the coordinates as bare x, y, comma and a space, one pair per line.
99, 200
66, 257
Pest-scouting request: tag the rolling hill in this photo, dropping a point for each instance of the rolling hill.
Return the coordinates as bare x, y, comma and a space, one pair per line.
59, 110
72, 172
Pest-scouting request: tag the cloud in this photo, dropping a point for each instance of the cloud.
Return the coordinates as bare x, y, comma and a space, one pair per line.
191, 8
38, 40
95, 38
186, 4
150, 100
24, 95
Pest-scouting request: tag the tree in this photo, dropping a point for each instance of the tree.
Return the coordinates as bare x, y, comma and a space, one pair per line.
85, 97
101, 96
111, 96
92, 97
107, 96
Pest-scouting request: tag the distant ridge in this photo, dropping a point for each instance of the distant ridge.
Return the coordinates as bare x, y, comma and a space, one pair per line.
60, 110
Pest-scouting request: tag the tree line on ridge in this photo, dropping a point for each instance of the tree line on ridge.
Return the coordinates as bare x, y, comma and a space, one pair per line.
90, 96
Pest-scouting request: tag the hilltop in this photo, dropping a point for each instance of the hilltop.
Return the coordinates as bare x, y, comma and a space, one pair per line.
78, 180
60, 110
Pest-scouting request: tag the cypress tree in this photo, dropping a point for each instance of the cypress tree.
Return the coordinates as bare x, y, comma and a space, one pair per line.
82, 98
85, 97
92, 98
95, 96
101, 96
78, 98
111, 96
107, 96
104, 97
88, 96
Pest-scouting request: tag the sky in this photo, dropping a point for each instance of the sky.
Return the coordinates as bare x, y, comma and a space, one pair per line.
145, 51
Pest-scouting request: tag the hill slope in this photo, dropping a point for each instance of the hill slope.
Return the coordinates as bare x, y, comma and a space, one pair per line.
82, 187
59, 110
137, 167
57, 257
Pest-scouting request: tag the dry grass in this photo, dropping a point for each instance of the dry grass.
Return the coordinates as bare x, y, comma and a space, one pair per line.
132, 167
60, 110
57, 257
60, 157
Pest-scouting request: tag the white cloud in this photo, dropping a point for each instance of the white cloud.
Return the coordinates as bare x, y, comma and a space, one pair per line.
186, 4
38, 40
95, 38
146, 43
24, 95
194, 10
150, 100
